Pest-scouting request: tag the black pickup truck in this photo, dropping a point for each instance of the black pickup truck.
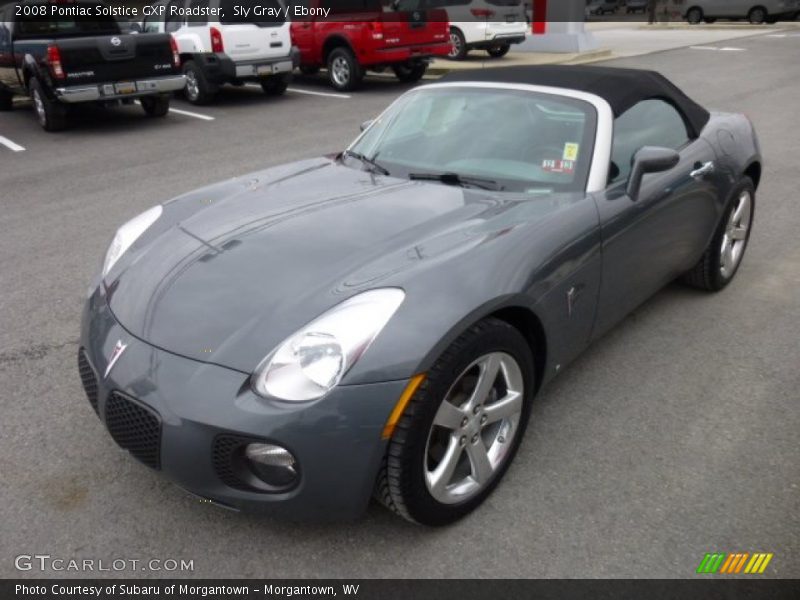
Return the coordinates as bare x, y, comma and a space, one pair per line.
58, 57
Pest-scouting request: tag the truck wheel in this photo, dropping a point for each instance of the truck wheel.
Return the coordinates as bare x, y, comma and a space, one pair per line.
694, 15
6, 100
410, 72
275, 85
155, 106
757, 16
197, 90
458, 45
498, 51
52, 115
344, 72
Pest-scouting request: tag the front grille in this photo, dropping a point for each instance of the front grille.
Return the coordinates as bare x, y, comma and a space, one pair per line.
224, 455
135, 428
88, 378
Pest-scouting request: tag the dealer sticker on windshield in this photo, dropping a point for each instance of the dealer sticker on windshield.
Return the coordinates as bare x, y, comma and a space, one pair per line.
558, 166
570, 151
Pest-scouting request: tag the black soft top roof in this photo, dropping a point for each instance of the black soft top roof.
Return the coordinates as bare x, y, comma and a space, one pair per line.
621, 88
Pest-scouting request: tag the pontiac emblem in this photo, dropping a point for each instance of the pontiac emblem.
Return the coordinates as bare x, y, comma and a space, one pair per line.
119, 348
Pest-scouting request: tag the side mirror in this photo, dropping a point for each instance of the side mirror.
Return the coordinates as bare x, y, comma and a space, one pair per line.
366, 124
649, 159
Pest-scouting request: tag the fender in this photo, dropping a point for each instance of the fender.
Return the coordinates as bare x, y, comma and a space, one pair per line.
31, 68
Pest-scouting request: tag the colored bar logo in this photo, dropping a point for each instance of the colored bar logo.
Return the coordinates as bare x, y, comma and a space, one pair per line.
734, 563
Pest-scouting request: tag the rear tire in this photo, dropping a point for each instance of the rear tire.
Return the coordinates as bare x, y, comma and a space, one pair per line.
442, 464
344, 71
458, 45
275, 85
498, 51
410, 73
694, 15
51, 114
198, 90
155, 106
721, 260
6, 100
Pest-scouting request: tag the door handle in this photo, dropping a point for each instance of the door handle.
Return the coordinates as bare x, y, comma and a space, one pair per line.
701, 171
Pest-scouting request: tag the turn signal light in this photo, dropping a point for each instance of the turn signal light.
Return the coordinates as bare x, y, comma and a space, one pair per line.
216, 40
54, 60
176, 57
482, 13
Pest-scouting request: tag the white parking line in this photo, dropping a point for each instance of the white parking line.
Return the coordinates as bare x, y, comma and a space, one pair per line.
188, 113
326, 94
309, 92
725, 49
191, 114
11, 145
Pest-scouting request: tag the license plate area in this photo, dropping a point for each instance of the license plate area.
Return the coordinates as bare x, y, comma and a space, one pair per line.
128, 87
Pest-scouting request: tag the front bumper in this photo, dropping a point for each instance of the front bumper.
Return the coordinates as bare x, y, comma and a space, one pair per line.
336, 441
114, 91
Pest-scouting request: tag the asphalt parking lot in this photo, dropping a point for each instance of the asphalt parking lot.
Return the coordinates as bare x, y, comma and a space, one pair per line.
673, 436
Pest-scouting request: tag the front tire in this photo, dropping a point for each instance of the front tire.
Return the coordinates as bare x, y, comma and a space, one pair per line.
694, 15
462, 427
724, 254
155, 106
198, 90
51, 114
275, 85
757, 16
498, 51
344, 72
458, 45
410, 73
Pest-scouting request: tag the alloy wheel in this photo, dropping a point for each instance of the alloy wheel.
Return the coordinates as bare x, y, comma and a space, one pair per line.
474, 428
734, 239
38, 104
455, 45
340, 71
192, 87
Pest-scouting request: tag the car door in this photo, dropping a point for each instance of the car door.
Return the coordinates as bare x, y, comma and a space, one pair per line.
653, 240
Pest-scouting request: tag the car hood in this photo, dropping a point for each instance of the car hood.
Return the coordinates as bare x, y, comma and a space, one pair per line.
230, 271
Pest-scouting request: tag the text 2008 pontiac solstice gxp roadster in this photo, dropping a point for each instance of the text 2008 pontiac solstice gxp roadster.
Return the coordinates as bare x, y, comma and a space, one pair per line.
378, 322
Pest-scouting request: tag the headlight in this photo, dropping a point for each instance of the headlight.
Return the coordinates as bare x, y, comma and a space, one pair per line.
129, 233
311, 362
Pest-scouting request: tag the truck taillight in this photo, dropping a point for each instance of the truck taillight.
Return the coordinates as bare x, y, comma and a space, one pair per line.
176, 57
376, 30
216, 40
54, 61
482, 13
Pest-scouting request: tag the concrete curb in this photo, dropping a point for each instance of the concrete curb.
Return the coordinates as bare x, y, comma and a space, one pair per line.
443, 67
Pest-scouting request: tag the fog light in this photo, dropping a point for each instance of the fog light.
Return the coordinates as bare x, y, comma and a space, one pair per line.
272, 464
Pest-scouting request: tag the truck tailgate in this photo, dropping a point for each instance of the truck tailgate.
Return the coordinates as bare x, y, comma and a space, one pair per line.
414, 28
115, 57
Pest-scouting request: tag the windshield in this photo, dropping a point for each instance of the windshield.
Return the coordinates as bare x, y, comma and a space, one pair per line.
521, 140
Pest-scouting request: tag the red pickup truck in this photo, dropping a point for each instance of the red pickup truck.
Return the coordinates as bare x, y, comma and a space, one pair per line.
359, 35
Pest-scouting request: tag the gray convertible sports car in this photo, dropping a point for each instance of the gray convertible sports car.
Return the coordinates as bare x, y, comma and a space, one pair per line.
378, 322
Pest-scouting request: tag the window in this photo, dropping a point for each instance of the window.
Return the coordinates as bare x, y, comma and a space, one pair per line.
202, 18
524, 141
651, 122
173, 22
